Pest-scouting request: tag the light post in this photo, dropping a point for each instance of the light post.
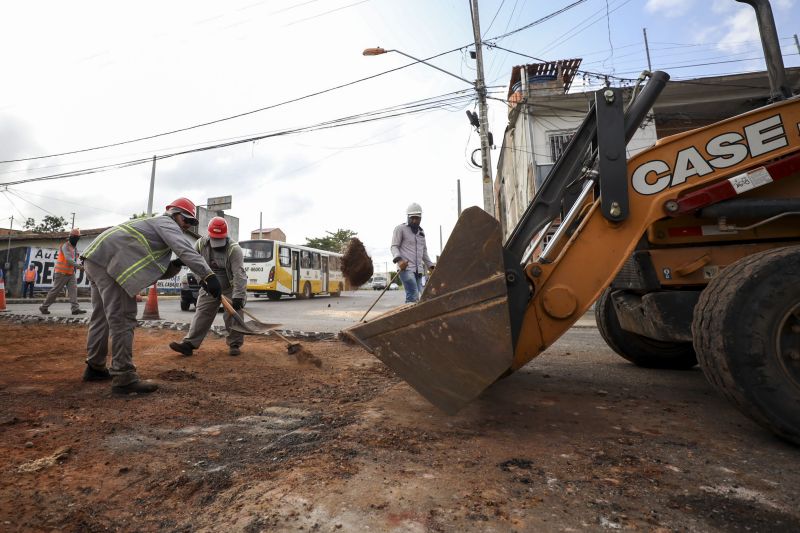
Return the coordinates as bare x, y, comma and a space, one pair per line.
480, 88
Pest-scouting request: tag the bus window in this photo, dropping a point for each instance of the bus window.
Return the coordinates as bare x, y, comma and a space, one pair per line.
285, 256
257, 251
305, 259
315, 264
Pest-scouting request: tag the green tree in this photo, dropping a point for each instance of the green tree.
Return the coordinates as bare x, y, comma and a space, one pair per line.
334, 241
49, 224
139, 215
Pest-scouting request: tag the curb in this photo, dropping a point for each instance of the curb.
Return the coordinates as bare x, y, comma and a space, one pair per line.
219, 331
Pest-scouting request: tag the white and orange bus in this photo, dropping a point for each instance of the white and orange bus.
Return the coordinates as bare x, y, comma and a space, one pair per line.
279, 269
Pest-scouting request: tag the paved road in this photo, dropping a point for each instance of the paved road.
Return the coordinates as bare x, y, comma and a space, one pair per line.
321, 313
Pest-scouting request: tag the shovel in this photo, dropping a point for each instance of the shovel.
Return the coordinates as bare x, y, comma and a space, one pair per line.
256, 327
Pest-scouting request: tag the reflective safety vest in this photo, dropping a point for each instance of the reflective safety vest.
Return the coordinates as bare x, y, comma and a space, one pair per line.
30, 275
65, 264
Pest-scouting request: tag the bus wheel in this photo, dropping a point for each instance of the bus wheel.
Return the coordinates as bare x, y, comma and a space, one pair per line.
306, 294
747, 334
273, 295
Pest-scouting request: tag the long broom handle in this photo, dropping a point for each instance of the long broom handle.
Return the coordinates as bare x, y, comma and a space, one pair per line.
379, 296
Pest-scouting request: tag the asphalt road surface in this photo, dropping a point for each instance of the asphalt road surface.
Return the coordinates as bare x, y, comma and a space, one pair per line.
320, 314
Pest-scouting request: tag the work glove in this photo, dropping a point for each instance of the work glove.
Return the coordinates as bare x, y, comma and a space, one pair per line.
237, 303
211, 285
402, 264
176, 262
432, 268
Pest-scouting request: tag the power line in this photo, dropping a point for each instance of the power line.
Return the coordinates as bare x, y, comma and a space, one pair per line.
33, 204
539, 21
217, 121
415, 107
326, 13
677, 67
286, 102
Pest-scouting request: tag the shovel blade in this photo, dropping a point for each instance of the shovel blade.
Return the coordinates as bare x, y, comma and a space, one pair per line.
457, 340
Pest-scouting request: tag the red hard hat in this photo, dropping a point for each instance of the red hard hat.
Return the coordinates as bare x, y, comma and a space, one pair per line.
217, 228
185, 207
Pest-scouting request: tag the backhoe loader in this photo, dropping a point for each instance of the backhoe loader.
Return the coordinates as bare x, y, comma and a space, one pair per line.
691, 250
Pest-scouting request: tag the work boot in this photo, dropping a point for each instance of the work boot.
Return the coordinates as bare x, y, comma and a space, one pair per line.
183, 348
137, 387
44, 310
79, 312
234, 350
91, 374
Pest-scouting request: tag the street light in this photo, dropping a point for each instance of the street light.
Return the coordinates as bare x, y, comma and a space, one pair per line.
480, 88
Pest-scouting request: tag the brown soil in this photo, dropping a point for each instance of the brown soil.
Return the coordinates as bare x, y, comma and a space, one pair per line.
356, 263
260, 443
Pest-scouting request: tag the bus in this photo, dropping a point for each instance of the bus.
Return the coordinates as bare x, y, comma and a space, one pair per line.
276, 269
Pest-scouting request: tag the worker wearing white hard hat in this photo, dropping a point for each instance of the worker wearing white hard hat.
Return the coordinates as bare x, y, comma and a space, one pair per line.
410, 253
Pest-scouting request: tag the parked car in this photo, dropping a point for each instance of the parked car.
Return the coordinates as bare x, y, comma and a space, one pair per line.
379, 283
189, 289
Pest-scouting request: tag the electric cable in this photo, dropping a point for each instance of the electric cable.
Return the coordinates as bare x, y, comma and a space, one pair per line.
231, 117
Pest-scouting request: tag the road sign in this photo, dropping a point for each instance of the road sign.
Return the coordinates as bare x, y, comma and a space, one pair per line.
219, 203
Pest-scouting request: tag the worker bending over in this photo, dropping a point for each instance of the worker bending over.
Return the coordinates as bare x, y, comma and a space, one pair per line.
121, 262
227, 261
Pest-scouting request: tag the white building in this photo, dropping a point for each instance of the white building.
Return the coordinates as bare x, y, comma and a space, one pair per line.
542, 118
543, 115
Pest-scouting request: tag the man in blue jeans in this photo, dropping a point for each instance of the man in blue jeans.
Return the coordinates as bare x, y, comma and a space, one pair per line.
410, 253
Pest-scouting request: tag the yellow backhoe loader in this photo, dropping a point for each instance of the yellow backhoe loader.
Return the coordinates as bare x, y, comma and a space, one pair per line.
691, 250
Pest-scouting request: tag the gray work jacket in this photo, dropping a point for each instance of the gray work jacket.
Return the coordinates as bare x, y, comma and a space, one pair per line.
136, 253
411, 247
234, 264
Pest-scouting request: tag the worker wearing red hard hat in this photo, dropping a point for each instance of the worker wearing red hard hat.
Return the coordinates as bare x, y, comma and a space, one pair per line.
227, 261
121, 262
64, 275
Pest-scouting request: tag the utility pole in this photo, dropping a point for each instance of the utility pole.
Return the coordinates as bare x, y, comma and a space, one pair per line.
73, 221
647, 50
797, 43
8, 249
458, 187
260, 225
152, 188
480, 88
440, 239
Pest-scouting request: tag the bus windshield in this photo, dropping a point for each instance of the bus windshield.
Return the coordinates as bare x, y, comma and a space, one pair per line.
257, 251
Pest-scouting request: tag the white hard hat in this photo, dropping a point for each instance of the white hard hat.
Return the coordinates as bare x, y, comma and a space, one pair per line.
414, 209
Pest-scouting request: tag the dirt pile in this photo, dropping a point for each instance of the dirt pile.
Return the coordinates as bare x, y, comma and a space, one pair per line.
356, 263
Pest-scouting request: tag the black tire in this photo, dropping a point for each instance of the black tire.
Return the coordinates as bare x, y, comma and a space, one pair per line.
273, 295
185, 305
306, 292
746, 332
639, 350
337, 293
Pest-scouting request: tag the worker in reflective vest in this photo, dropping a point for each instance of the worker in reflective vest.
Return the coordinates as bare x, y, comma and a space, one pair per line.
121, 262
29, 281
66, 263
226, 259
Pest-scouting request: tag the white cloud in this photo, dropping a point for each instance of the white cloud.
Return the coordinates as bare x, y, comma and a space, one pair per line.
737, 30
668, 8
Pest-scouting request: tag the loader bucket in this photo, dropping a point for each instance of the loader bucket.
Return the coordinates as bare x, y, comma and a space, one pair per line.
457, 340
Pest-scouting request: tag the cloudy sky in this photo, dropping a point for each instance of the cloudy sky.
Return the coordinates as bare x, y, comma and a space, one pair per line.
84, 74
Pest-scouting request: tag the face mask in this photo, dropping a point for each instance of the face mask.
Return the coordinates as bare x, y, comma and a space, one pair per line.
414, 225
73, 240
